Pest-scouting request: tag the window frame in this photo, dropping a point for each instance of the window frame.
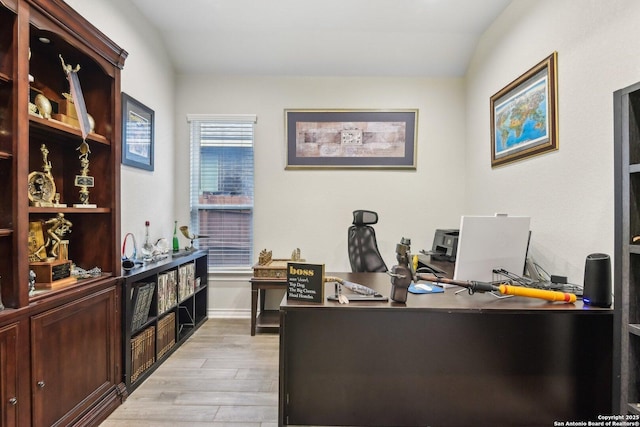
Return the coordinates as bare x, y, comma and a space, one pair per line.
195, 194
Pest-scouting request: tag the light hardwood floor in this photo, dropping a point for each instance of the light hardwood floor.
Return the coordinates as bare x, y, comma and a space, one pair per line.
221, 376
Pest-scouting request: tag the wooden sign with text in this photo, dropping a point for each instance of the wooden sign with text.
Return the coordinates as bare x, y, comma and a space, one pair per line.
305, 282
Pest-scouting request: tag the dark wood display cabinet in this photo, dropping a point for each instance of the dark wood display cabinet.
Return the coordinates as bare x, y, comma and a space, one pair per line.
163, 303
627, 248
60, 346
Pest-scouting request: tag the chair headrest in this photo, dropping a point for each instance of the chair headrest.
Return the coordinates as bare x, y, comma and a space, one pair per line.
362, 217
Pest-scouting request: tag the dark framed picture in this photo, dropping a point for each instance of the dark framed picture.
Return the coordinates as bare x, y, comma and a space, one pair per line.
137, 133
524, 115
351, 139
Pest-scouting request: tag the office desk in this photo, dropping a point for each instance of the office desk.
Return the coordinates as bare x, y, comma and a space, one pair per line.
443, 360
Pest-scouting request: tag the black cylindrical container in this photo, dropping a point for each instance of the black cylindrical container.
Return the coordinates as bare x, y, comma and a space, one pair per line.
597, 281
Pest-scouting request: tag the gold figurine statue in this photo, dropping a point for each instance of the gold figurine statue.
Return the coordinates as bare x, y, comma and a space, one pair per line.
57, 228
67, 68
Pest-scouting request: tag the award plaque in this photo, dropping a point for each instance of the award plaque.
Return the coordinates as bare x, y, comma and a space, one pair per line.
52, 274
84, 181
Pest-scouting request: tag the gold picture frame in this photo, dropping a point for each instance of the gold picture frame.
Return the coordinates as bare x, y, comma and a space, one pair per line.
524, 115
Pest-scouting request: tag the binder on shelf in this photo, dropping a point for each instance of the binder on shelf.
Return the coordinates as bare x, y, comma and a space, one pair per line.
142, 352
167, 291
166, 334
141, 303
186, 281
191, 276
183, 291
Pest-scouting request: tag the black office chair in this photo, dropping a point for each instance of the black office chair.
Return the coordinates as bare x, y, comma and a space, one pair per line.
364, 255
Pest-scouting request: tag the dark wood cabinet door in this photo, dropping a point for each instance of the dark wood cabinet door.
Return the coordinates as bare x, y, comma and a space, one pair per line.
9, 375
73, 357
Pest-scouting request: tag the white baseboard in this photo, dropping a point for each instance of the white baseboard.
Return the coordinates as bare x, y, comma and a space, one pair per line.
213, 313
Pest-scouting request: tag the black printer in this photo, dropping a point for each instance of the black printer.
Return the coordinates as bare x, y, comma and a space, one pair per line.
445, 245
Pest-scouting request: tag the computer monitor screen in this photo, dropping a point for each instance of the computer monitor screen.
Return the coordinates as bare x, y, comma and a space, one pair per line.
489, 242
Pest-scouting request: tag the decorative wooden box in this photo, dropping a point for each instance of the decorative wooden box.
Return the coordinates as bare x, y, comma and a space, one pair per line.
274, 269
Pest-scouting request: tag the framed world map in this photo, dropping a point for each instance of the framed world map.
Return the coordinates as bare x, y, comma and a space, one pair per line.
524, 119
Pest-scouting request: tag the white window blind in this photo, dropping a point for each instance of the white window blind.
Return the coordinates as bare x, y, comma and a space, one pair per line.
222, 188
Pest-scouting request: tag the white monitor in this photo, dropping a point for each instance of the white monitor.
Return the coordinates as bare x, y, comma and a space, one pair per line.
489, 242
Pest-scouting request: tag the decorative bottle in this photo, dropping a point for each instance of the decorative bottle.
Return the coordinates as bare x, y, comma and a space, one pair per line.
147, 247
176, 244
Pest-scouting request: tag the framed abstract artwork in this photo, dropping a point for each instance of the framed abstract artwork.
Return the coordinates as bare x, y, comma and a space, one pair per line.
524, 115
351, 139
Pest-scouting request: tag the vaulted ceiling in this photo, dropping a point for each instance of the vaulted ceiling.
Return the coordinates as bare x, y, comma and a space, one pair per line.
322, 37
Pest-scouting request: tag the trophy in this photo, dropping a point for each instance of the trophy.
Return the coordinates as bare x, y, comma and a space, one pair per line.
42, 188
52, 267
84, 181
86, 123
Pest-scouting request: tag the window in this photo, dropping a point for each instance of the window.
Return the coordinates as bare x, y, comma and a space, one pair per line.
222, 188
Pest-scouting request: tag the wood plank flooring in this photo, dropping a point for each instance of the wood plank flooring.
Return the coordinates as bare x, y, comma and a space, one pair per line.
220, 377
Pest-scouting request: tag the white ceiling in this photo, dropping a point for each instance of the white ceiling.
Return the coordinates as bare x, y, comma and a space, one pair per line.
322, 37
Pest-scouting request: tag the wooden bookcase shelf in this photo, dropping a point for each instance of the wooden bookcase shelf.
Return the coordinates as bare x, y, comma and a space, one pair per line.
159, 313
634, 408
60, 346
53, 128
42, 210
627, 249
634, 329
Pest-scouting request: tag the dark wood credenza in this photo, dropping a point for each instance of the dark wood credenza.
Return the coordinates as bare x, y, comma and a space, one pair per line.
443, 359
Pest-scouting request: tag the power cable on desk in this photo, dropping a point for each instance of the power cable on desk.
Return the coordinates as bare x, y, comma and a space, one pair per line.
427, 269
549, 284
558, 283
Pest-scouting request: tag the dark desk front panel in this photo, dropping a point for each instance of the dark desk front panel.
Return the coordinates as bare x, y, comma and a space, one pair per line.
404, 367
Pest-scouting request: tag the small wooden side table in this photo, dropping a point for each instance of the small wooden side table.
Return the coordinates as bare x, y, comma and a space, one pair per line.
266, 318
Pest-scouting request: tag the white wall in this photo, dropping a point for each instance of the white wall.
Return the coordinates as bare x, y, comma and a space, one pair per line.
312, 209
148, 77
568, 193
